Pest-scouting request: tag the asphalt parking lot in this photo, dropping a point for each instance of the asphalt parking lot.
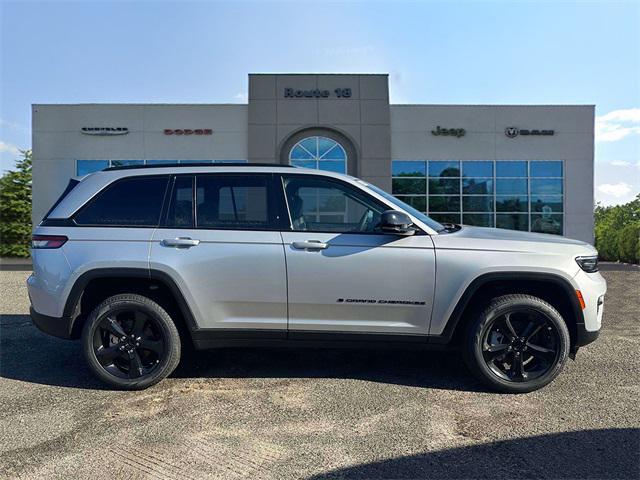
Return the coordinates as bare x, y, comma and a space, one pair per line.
318, 414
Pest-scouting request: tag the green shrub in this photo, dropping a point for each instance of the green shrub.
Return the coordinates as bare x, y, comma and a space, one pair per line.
617, 232
15, 209
628, 240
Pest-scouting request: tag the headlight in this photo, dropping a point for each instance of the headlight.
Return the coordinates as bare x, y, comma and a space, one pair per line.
588, 264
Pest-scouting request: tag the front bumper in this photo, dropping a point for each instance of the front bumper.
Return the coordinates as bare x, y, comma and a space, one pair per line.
58, 327
584, 336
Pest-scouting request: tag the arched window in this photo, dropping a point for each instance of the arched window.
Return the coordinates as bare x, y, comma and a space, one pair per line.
319, 152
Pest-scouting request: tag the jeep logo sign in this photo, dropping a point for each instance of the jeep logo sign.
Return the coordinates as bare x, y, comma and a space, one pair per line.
513, 132
452, 132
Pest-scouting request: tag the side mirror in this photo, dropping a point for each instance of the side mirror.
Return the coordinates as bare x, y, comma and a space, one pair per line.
395, 222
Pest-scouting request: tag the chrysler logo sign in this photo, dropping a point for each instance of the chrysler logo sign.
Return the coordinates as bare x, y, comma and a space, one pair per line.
104, 130
513, 132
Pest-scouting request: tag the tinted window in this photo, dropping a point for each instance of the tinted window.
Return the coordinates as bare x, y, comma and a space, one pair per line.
408, 169
546, 169
85, 167
180, 214
511, 186
511, 169
477, 186
233, 202
320, 205
477, 169
129, 202
444, 169
546, 186
70, 186
125, 163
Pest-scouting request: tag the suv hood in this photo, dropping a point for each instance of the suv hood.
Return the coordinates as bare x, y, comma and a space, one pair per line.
498, 239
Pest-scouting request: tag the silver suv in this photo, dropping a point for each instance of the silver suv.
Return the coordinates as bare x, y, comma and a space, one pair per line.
139, 263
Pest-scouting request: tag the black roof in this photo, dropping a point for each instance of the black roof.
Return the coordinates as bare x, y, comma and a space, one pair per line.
198, 164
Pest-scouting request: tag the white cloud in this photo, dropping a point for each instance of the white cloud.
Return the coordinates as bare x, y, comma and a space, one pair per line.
621, 163
8, 148
618, 124
242, 96
624, 163
617, 190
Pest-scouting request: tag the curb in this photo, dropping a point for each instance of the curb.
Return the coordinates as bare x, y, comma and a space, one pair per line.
16, 264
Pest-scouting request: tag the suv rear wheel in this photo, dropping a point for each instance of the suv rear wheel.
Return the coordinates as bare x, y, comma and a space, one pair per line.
130, 342
517, 344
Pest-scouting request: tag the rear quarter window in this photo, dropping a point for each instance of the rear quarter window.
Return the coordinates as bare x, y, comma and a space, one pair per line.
70, 186
132, 202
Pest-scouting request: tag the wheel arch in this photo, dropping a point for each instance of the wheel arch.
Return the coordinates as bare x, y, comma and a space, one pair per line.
552, 288
157, 285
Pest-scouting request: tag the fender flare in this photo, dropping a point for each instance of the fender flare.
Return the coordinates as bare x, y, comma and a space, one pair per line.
454, 319
74, 299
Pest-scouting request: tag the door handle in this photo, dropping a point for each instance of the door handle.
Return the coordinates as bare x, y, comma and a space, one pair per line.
180, 242
310, 245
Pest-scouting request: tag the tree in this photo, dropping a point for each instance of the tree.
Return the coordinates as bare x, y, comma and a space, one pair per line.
617, 231
15, 208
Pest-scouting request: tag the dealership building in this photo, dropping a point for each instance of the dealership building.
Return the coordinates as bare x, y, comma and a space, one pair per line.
524, 167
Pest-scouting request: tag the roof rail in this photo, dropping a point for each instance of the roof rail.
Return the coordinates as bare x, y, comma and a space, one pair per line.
198, 164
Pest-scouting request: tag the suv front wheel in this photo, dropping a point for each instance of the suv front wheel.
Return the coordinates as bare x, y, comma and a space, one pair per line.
517, 344
130, 342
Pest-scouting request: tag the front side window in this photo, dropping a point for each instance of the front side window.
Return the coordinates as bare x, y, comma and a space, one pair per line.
321, 205
239, 202
133, 202
321, 153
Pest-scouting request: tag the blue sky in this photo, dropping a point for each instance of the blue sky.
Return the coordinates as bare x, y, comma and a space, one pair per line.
453, 52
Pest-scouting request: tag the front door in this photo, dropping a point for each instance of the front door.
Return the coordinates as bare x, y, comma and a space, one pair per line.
220, 241
344, 276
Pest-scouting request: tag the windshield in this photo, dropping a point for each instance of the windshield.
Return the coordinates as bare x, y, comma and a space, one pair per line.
438, 227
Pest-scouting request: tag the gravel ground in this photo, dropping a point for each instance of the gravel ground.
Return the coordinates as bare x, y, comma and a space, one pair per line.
323, 414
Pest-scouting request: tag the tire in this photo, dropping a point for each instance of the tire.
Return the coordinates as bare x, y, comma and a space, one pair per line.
139, 350
498, 349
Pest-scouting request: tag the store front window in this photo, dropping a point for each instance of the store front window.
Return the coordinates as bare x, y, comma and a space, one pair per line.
518, 195
321, 153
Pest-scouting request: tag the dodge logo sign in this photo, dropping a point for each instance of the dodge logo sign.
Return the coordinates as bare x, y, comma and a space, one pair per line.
513, 132
104, 130
188, 131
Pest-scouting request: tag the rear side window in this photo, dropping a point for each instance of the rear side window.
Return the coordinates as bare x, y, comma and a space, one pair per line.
132, 202
180, 213
70, 186
239, 202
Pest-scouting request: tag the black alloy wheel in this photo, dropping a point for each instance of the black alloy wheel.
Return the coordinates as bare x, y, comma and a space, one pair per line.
521, 345
517, 343
128, 343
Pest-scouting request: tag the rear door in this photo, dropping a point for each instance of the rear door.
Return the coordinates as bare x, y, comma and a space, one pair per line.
220, 241
343, 275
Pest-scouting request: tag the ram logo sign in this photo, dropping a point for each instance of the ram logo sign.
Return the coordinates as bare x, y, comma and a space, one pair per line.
513, 132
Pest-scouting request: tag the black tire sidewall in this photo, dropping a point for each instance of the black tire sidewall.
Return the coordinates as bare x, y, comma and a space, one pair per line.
170, 334
497, 307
